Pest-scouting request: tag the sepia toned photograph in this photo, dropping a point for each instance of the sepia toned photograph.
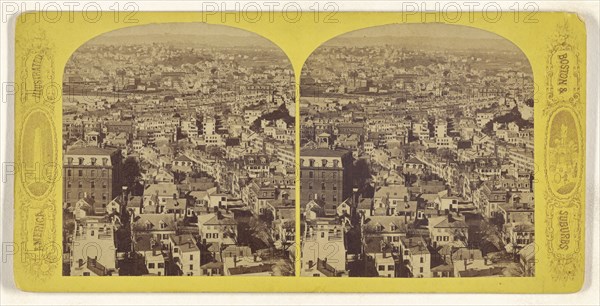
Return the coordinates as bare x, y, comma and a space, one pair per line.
417, 155
178, 154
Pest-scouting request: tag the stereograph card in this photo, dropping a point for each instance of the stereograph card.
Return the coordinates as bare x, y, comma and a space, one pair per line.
363, 152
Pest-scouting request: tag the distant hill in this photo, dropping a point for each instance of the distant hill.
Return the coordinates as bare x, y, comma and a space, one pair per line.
418, 42
186, 40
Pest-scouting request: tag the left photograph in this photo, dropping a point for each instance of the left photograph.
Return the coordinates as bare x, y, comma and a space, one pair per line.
178, 154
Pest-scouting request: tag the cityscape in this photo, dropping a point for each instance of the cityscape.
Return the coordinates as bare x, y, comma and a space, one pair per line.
179, 158
417, 155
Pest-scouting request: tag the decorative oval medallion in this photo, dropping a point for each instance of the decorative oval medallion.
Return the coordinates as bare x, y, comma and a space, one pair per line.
38, 166
562, 156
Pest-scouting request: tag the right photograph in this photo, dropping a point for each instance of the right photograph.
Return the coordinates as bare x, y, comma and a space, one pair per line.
417, 155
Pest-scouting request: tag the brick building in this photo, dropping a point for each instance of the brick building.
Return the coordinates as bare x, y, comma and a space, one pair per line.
325, 174
93, 173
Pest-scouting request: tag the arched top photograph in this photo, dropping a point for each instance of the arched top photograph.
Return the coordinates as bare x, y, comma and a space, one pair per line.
436, 123
166, 129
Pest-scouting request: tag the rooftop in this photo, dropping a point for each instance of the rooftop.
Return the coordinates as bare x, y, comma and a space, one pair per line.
91, 151
320, 152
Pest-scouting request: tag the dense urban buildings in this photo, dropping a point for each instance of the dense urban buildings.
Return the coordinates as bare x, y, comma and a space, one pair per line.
417, 155
179, 154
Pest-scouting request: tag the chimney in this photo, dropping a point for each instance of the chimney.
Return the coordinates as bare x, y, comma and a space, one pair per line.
234, 261
255, 257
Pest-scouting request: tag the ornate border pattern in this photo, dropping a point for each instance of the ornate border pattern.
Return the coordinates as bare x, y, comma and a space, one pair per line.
565, 150
37, 148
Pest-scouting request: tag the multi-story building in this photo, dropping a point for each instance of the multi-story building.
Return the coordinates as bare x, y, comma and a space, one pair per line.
416, 255
92, 172
185, 253
325, 174
321, 236
100, 260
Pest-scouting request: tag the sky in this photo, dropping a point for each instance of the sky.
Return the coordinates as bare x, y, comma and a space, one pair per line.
432, 30
189, 28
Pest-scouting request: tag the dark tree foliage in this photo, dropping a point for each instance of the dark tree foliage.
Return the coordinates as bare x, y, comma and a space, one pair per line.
179, 176
529, 102
131, 173
513, 116
280, 113
361, 172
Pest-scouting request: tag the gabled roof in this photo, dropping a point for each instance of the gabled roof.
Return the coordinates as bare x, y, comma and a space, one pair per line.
174, 203
365, 203
385, 224
323, 152
417, 245
466, 253
240, 251
452, 223
224, 220
90, 151
262, 268
528, 252
152, 222
212, 265
521, 227
493, 271
414, 160
162, 189
376, 244
183, 158
325, 268
143, 242
185, 242
393, 191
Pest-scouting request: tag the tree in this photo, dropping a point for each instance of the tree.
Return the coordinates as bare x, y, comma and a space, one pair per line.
280, 113
131, 173
361, 172
179, 176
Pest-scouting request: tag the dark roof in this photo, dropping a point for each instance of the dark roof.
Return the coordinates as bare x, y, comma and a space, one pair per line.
183, 157
185, 242
96, 267
143, 242
376, 244
464, 144
234, 250
326, 268
230, 142
91, 151
324, 152
251, 270
452, 223
212, 265
223, 220
414, 160
495, 271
